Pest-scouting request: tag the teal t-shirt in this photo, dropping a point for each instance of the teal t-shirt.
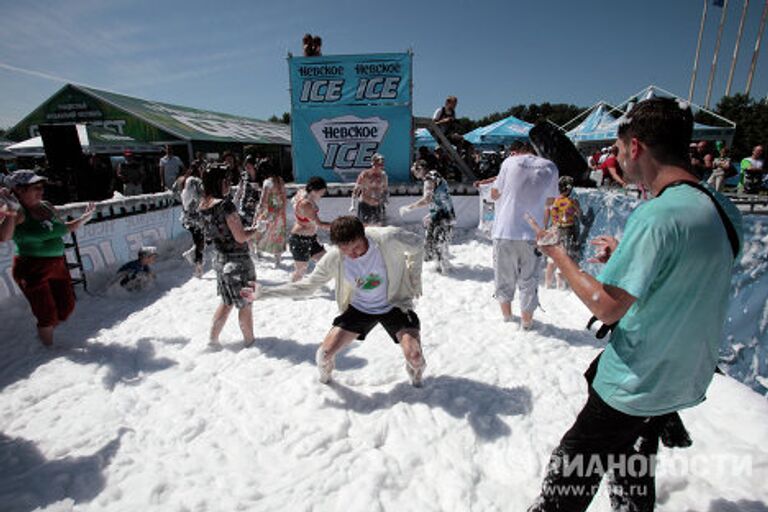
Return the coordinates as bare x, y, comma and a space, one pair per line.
676, 260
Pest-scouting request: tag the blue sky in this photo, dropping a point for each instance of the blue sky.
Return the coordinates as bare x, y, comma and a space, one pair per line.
230, 56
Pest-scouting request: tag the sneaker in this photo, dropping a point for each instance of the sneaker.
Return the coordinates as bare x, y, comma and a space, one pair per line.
325, 367
189, 255
415, 374
526, 326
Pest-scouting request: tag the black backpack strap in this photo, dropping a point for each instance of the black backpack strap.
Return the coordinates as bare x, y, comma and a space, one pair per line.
732, 236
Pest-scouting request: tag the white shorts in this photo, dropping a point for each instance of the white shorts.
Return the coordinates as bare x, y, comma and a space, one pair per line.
516, 266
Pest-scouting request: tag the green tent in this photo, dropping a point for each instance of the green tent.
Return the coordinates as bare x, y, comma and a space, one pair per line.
148, 121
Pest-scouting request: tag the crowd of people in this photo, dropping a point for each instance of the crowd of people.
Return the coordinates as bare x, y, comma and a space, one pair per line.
102, 176
709, 162
661, 357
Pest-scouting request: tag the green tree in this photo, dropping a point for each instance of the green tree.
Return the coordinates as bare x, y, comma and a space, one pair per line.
284, 119
558, 113
751, 118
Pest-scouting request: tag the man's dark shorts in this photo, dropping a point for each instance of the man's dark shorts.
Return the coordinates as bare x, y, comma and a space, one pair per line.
304, 247
393, 321
370, 214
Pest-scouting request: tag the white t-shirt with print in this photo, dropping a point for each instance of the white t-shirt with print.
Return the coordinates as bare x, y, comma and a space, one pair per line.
525, 183
369, 276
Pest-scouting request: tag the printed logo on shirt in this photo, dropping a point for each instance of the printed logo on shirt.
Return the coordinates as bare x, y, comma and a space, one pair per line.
369, 282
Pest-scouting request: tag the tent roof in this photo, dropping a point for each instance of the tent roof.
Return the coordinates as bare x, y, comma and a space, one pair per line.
422, 137
600, 124
606, 126
188, 123
195, 124
501, 132
93, 139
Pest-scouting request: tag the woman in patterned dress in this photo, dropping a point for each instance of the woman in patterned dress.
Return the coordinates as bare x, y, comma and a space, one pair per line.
271, 213
232, 261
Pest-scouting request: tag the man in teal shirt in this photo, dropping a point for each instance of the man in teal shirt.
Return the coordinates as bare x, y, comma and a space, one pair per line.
665, 286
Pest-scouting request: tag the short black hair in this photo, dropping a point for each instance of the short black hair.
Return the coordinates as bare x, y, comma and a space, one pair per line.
517, 145
213, 177
268, 169
315, 183
664, 125
346, 229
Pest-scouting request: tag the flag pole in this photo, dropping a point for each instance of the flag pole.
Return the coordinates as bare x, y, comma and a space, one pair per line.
698, 51
736, 48
757, 49
717, 54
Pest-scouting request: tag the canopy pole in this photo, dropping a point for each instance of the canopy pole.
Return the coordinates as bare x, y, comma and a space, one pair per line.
736, 48
716, 54
698, 52
757, 49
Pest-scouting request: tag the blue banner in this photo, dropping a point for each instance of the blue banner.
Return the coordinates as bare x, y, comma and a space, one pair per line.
346, 108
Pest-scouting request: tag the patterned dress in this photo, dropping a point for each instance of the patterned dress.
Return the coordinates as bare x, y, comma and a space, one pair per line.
232, 263
272, 211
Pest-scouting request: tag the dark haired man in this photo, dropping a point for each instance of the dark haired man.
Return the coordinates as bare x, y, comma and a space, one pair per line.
378, 276
665, 287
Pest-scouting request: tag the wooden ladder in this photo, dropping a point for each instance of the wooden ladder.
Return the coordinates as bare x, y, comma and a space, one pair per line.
79, 278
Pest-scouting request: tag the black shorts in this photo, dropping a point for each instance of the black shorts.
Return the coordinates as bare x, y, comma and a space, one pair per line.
304, 247
370, 214
393, 321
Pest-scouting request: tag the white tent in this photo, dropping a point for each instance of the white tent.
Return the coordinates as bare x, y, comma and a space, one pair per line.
93, 139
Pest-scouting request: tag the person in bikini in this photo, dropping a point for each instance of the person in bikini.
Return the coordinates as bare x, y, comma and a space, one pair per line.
303, 241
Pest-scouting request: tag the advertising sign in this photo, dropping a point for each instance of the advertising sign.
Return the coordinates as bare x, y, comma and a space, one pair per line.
346, 108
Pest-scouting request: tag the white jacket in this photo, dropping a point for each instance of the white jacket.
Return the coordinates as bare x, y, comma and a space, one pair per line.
402, 254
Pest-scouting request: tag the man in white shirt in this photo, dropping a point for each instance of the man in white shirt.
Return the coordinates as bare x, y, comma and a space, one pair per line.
752, 171
378, 275
525, 185
171, 168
